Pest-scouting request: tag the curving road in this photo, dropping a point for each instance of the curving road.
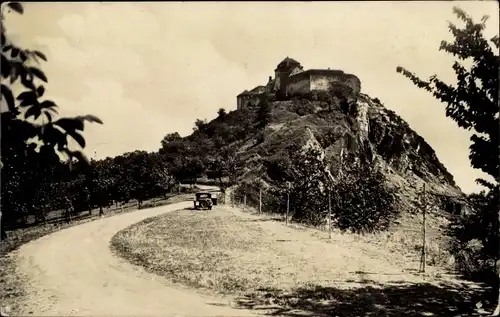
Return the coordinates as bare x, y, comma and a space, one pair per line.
73, 272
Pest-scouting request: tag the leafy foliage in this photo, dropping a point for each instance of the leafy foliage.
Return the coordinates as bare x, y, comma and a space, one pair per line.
363, 202
473, 104
26, 172
303, 176
476, 242
263, 113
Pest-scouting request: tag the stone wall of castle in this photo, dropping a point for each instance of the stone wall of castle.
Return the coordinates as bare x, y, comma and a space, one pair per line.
298, 85
292, 80
248, 101
324, 80
320, 80
353, 82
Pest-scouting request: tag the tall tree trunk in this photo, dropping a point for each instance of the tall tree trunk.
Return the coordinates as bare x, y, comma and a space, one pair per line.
3, 232
497, 267
496, 313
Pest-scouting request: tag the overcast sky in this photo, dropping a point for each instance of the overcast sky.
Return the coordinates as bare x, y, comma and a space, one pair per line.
148, 69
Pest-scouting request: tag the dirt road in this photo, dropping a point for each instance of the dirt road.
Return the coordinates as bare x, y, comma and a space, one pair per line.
73, 272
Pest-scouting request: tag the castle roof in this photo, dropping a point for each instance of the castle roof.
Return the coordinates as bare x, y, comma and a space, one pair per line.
244, 93
256, 89
325, 72
287, 62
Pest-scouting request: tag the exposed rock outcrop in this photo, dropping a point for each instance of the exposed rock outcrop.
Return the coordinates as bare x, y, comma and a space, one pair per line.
367, 133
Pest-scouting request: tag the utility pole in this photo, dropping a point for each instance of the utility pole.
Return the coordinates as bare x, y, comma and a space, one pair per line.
329, 214
424, 207
1, 233
331, 180
287, 204
260, 200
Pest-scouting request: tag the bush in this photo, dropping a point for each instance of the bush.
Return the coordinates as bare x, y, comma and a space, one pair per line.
272, 201
363, 202
475, 241
303, 107
324, 96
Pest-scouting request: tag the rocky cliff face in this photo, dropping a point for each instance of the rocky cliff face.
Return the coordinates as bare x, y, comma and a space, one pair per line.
367, 133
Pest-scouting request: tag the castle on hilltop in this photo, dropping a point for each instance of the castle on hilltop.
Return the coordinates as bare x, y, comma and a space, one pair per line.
291, 80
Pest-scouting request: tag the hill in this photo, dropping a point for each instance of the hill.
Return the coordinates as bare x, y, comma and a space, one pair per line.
236, 149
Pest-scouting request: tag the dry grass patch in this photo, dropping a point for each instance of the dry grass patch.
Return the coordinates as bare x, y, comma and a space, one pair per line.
293, 269
233, 252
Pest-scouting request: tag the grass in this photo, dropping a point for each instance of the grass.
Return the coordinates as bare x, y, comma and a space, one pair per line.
12, 290
262, 262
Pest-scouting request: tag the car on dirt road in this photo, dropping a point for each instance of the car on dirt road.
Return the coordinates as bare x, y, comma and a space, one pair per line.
204, 200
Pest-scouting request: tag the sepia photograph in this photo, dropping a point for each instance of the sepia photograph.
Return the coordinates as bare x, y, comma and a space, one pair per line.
260, 158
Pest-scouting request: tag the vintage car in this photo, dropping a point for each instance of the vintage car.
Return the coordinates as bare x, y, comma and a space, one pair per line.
204, 200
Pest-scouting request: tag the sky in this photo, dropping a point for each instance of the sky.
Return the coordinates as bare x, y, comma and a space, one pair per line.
149, 69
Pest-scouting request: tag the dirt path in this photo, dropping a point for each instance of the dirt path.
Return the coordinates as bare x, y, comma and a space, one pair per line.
73, 272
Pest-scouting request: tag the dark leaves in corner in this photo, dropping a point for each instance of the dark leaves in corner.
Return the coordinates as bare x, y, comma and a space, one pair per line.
70, 124
40, 91
14, 52
6, 68
9, 98
27, 98
16, 6
90, 118
34, 111
40, 55
78, 138
49, 105
76, 154
37, 73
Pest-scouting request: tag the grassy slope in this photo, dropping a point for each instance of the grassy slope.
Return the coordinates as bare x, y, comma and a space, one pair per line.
263, 262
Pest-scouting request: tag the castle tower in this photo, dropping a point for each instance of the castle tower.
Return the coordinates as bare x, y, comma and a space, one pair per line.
282, 72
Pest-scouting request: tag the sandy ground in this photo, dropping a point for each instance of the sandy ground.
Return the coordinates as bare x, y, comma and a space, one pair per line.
73, 272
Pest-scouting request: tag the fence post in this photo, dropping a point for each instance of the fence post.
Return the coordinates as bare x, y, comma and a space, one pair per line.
424, 207
329, 214
244, 201
1, 232
260, 200
287, 204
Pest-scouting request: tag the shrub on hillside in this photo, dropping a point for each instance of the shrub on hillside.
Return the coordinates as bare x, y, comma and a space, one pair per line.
324, 96
475, 241
303, 107
272, 202
302, 175
363, 202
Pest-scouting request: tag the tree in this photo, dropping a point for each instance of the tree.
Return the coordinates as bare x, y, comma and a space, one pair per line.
21, 120
100, 183
200, 125
171, 137
221, 113
303, 175
224, 164
473, 102
263, 113
363, 202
